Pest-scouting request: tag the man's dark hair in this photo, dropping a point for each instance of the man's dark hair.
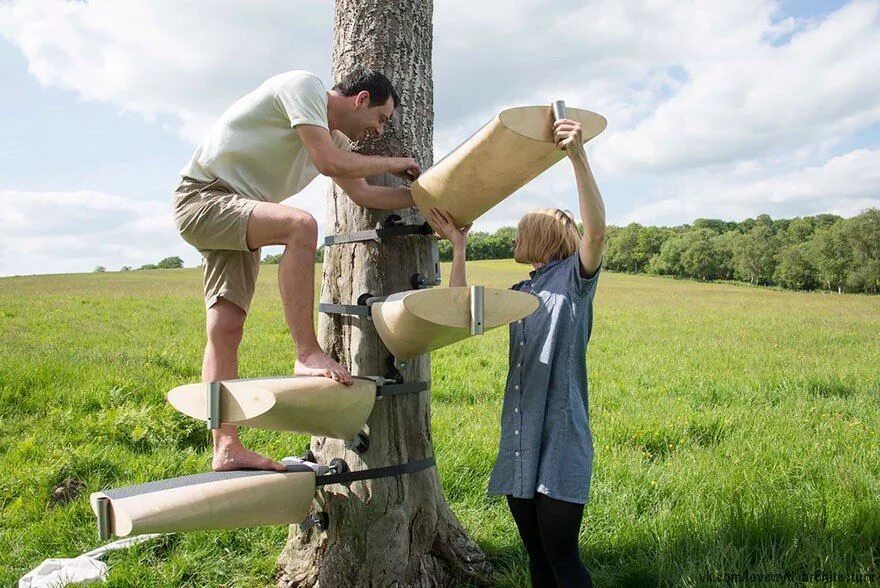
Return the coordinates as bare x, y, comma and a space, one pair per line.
371, 80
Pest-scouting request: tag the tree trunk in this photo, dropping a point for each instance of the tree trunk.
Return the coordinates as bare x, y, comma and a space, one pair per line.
391, 531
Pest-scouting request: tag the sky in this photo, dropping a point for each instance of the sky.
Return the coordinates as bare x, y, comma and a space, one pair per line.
723, 109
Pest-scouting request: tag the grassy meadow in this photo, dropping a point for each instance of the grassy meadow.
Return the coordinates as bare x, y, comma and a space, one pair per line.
737, 429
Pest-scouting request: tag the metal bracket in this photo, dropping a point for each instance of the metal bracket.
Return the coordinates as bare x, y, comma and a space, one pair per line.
418, 281
437, 279
401, 388
350, 309
103, 504
362, 308
394, 374
477, 310
214, 405
378, 234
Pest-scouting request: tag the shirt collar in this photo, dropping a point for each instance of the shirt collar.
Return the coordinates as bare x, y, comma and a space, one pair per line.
543, 268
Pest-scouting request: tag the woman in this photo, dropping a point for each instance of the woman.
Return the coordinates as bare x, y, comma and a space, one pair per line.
545, 460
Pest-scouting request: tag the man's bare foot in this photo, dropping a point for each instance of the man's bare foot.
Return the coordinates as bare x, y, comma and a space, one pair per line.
233, 456
318, 363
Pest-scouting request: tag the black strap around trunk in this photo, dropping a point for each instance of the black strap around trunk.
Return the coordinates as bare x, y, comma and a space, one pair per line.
372, 474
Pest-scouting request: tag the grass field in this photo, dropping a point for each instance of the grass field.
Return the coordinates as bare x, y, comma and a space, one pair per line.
737, 430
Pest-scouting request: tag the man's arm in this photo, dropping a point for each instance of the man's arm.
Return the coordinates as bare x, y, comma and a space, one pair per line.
377, 197
568, 137
332, 161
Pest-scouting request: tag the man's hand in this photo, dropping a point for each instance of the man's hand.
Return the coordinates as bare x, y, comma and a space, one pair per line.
443, 224
405, 167
568, 136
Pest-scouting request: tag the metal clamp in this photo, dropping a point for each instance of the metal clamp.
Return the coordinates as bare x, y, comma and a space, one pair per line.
477, 310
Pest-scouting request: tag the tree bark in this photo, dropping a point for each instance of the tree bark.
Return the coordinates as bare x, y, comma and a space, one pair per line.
392, 531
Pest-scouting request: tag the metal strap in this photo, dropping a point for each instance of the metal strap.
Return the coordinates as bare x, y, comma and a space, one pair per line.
372, 474
355, 309
406, 388
379, 234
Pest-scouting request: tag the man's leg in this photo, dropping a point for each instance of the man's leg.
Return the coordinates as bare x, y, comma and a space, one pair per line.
225, 325
275, 224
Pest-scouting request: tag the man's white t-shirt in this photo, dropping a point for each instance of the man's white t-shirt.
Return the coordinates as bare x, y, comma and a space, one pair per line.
255, 146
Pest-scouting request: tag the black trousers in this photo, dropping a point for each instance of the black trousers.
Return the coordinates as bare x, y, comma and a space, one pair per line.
549, 530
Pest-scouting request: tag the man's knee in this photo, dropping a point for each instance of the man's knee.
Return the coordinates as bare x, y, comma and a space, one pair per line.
302, 229
225, 324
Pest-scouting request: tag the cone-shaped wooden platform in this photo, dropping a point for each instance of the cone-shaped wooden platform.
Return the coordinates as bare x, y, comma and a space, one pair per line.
304, 404
217, 500
414, 322
499, 159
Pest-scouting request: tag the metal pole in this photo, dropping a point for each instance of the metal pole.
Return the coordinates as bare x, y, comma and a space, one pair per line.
214, 405
476, 310
558, 107
103, 504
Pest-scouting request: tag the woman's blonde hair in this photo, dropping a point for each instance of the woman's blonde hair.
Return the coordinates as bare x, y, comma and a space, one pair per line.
546, 234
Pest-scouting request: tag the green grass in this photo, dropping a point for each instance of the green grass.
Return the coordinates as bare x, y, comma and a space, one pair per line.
736, 429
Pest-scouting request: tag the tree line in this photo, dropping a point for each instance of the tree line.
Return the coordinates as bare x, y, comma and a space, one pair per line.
824, 251
821, 252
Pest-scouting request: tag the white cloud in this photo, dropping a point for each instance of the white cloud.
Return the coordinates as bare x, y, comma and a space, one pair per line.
166, 58
763, 99
75, 231
844, 185
59, 232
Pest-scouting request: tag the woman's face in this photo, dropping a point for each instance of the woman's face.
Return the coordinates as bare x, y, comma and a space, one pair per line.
517, 248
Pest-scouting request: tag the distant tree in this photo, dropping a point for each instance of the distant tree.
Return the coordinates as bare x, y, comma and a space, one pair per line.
170, 263
668, 260
100, 269
863, 234
319, 255
832, 256
724, 246
795, 270
755, 254
800, 230
717, 225
149, 266
271, 259
699, 258
621, 249
125, 268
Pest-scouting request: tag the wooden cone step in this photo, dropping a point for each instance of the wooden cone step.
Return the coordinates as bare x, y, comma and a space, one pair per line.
305, 404
417, 321
215, 500
511, 150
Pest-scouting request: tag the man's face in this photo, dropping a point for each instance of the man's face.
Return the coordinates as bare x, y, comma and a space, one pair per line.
370, 120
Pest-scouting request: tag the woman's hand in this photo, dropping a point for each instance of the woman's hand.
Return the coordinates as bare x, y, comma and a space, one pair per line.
568, 135
444, 226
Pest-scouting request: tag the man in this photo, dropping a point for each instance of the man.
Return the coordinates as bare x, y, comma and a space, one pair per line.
268, 146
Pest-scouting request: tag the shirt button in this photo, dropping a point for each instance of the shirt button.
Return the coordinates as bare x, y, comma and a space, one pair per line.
516, 387
516, 410
516, 432
519, 364
521, 343
516, 453
519, 321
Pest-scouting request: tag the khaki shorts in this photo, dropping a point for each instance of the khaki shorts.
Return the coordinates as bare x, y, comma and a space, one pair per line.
213, 218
